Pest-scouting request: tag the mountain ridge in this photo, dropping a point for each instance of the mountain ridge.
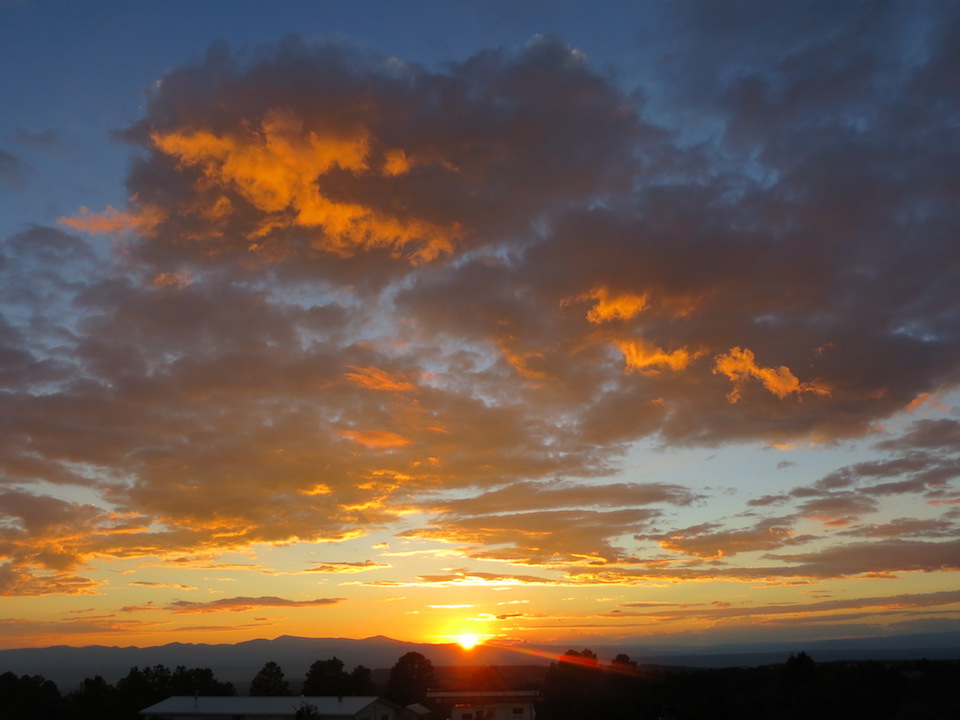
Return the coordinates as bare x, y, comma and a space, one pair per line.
238, 662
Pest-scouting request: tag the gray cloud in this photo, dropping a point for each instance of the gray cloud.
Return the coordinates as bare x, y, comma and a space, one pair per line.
13, 171
347, 288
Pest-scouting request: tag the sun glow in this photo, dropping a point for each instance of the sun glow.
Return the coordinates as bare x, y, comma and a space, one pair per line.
468, 641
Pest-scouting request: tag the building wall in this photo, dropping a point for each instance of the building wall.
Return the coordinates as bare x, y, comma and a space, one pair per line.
377, 711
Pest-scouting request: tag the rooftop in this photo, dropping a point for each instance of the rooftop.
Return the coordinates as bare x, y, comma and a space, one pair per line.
253, 706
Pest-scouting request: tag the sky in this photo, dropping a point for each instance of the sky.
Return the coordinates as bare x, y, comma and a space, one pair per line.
537, 322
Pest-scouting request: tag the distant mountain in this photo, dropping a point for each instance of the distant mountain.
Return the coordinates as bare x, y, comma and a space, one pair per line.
68, 666
933, 646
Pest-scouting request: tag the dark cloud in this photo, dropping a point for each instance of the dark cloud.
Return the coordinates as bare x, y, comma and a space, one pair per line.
895, 556
346, 289
715, 541
940, 435
881, 604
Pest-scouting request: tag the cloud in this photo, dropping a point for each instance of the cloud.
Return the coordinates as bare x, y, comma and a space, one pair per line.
13, 171
242, 604
347, 567
739, 364
942, 435
175, 586
23, 629
458, 578
894, 556
41, 139
884, 603
376, 379
543, 537
350, 294
714, 541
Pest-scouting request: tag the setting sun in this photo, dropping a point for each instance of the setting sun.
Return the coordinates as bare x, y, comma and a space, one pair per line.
468, 641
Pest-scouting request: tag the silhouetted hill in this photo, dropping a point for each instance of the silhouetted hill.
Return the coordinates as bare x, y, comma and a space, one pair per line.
68, 666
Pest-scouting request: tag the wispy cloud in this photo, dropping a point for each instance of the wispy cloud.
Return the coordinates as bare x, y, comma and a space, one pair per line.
242, 604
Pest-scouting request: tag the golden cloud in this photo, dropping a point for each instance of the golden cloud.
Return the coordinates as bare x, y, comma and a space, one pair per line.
739, 365
142, 220
241, 604
646, 358
376, 379
613, 306
380, 439
275, 168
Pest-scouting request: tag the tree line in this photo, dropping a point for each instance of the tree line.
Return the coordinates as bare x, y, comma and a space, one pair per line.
35, 697
577, 686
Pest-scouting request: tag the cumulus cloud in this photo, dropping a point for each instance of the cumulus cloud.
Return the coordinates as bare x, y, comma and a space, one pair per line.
350, 294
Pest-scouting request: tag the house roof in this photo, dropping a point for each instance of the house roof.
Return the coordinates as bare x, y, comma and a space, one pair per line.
527, 695
347, 706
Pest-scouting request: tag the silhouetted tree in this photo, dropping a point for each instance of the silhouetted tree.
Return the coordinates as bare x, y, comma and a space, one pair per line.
410, 679
361, 682
198, 681
573, 685
326, 677
269, 681
30, 696
486, 678
145, 687
799, 667
95, 699
588, 657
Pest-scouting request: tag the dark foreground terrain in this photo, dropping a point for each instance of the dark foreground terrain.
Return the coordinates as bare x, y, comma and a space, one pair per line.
579, 686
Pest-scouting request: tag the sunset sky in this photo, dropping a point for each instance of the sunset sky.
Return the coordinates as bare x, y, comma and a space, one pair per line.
538, 321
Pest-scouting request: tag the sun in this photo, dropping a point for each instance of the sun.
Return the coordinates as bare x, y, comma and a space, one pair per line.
468, 641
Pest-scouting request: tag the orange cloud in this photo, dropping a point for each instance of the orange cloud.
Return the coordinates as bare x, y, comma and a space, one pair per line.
175, 586
647, 358
111, 220
610, 306
739, 364
521, 363
396, 162
180, 280
239, 604
275, 168
709, 542
376, 379
376, 438
347, 567
926, 399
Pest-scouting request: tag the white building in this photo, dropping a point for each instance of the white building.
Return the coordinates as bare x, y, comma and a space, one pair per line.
189, 707
489, 704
